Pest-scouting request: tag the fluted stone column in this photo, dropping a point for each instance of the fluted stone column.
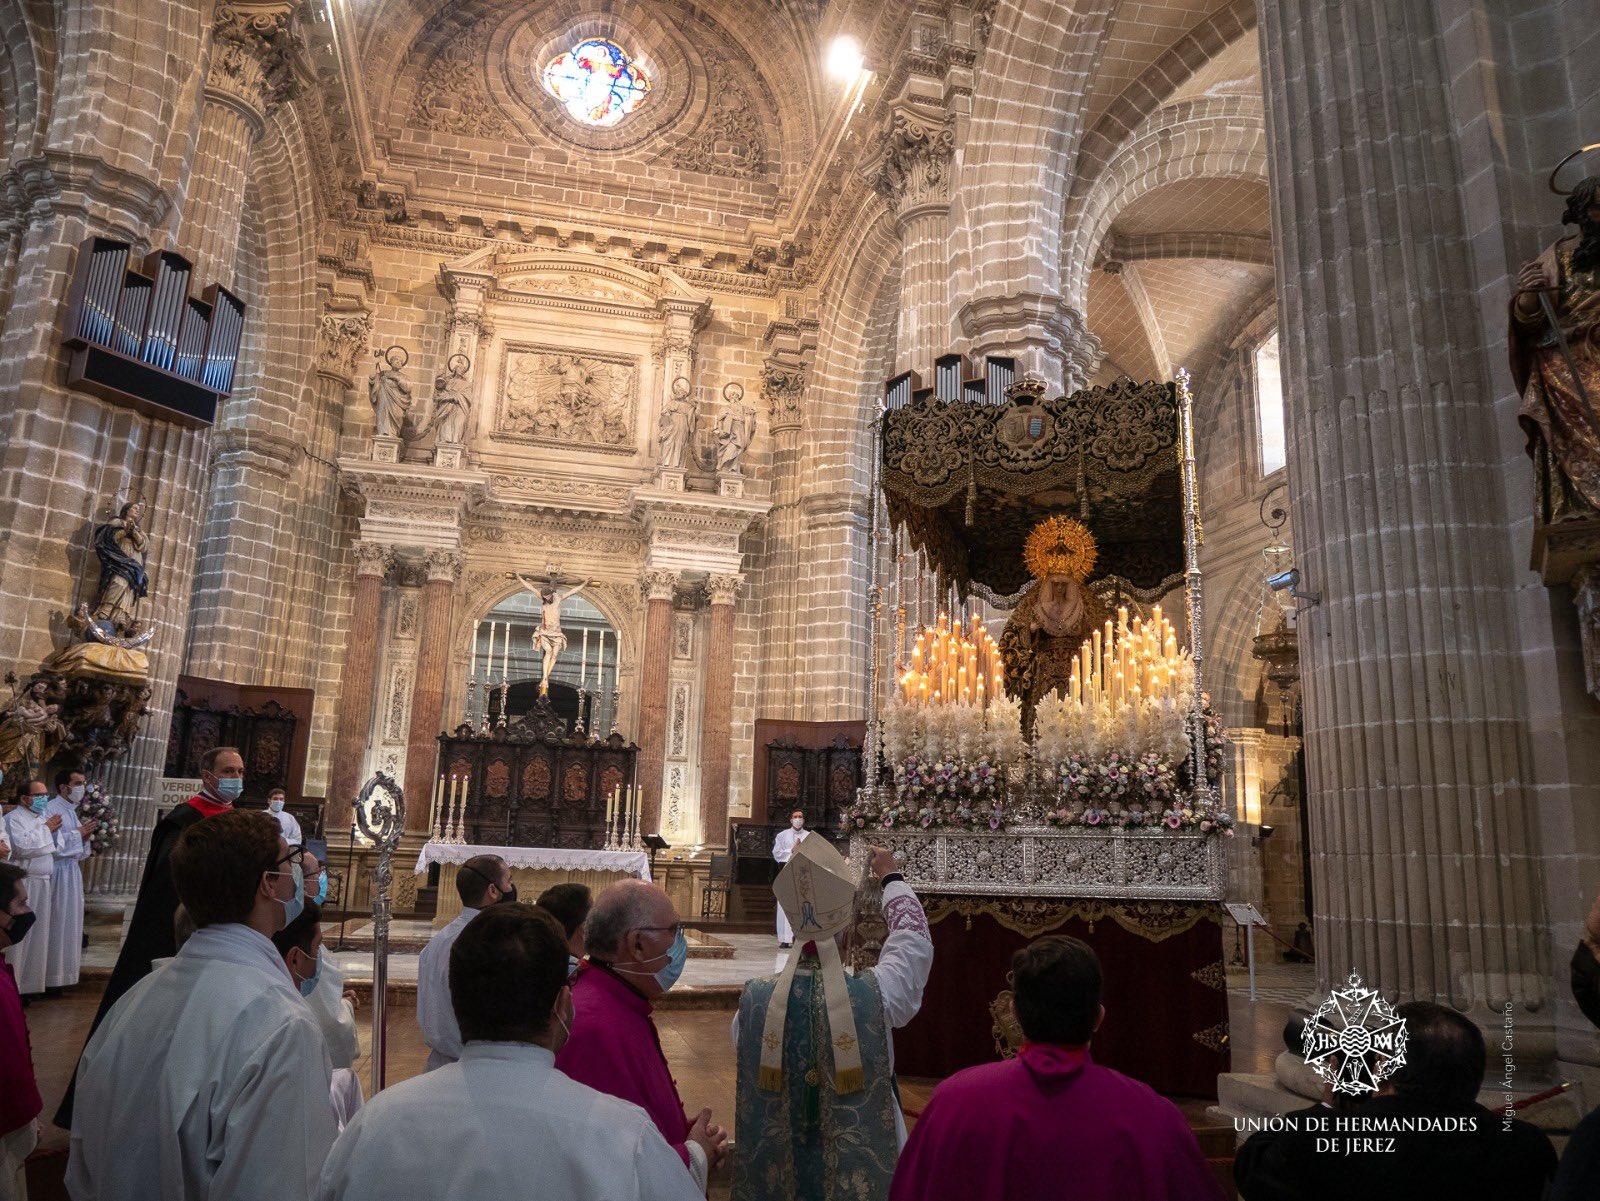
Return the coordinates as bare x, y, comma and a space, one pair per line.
654, 668
427, 692
783, 385
1423, 855
256, 459
358, 682
913, 174
716, 720
249, 74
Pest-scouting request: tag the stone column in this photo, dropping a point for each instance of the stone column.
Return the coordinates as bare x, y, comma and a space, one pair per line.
654, 668
1424, 858
249, 74
913, 174
427, 691
358, 682
716, 715
783, 385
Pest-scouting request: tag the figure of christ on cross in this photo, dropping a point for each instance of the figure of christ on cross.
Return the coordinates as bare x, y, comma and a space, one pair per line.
548, 639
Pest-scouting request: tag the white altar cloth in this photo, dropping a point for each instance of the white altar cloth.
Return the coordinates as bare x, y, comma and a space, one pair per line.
633, 863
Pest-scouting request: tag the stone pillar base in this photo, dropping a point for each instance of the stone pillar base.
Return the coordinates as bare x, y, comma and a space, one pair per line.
730, 485
448, 457
671, 480
385, 450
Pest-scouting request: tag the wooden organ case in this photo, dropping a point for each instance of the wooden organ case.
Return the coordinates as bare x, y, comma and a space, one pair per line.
140, 339
533, 783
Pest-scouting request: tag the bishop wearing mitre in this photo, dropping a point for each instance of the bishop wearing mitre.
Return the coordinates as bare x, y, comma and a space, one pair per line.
817, 1113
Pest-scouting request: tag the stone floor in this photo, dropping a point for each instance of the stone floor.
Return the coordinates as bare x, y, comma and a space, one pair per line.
694, 1028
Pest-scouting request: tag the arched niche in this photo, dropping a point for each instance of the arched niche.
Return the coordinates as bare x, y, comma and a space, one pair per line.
504, 661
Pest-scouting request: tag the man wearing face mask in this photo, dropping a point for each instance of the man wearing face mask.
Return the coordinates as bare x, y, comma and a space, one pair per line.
31, 831
481, 881
503, 1122
288, 824
210, 1078
637, 951
150, 932
322, 985
783, 850
19, 1090
64, 937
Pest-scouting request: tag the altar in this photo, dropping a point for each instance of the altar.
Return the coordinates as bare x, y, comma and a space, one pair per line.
533, 869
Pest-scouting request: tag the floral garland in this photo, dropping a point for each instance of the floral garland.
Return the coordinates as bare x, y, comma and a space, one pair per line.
97, 805
946, 793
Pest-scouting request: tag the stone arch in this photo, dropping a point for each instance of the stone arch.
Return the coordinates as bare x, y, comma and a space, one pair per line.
1221, 137
483, 590
1232, 675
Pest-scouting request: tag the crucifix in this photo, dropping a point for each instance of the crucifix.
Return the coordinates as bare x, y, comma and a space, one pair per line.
548, 638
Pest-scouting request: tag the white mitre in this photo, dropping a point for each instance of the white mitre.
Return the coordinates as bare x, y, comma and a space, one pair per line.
817, 890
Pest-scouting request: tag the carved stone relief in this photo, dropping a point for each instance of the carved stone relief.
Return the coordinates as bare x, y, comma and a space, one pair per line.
405, 616
730, 141
395, 711
678, 723
452, 96
683, 637
585, 400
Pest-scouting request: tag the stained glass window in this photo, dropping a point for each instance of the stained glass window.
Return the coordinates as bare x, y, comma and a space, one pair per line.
597, 82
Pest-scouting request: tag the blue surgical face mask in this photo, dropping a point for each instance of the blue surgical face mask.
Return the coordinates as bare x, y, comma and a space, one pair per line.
39, 804
309, 984
322, 888
572, 968
295, 905
230, 788
667, 974
276, 804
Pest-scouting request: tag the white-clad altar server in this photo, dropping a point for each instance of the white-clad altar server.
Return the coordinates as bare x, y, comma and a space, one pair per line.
31, 830
783, 850
502, 1122
481, 881
65, 933
288, 824
209, 1078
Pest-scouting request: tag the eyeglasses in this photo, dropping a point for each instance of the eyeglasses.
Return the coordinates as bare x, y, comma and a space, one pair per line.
292, 857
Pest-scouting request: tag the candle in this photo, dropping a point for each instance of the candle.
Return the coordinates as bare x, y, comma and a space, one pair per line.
489, 658
583, 660
505, 660
433, 809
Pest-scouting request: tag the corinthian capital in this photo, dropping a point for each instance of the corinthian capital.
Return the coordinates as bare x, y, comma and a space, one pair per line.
342, 344
658, 585
372, 558
914, 168
443, 565
723, 589
782, 387
253, 45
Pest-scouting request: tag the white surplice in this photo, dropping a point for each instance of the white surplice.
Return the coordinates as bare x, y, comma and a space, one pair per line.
66, 896
783, 850
902, 968
207, 1081
435, 1016
33, 848
288, 826
502, 1123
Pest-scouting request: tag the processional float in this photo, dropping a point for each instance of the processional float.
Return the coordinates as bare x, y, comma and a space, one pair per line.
1076, 756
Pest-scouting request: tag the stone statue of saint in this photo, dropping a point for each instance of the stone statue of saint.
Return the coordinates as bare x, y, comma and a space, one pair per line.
549, 639
736, 425
389, 392
675, 427
452, 404
1555, 361
120, 544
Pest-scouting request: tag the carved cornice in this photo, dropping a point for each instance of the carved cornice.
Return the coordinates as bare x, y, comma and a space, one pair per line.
252, 56
412, 505
696, 531
1031, 320
66, 182
262, 450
